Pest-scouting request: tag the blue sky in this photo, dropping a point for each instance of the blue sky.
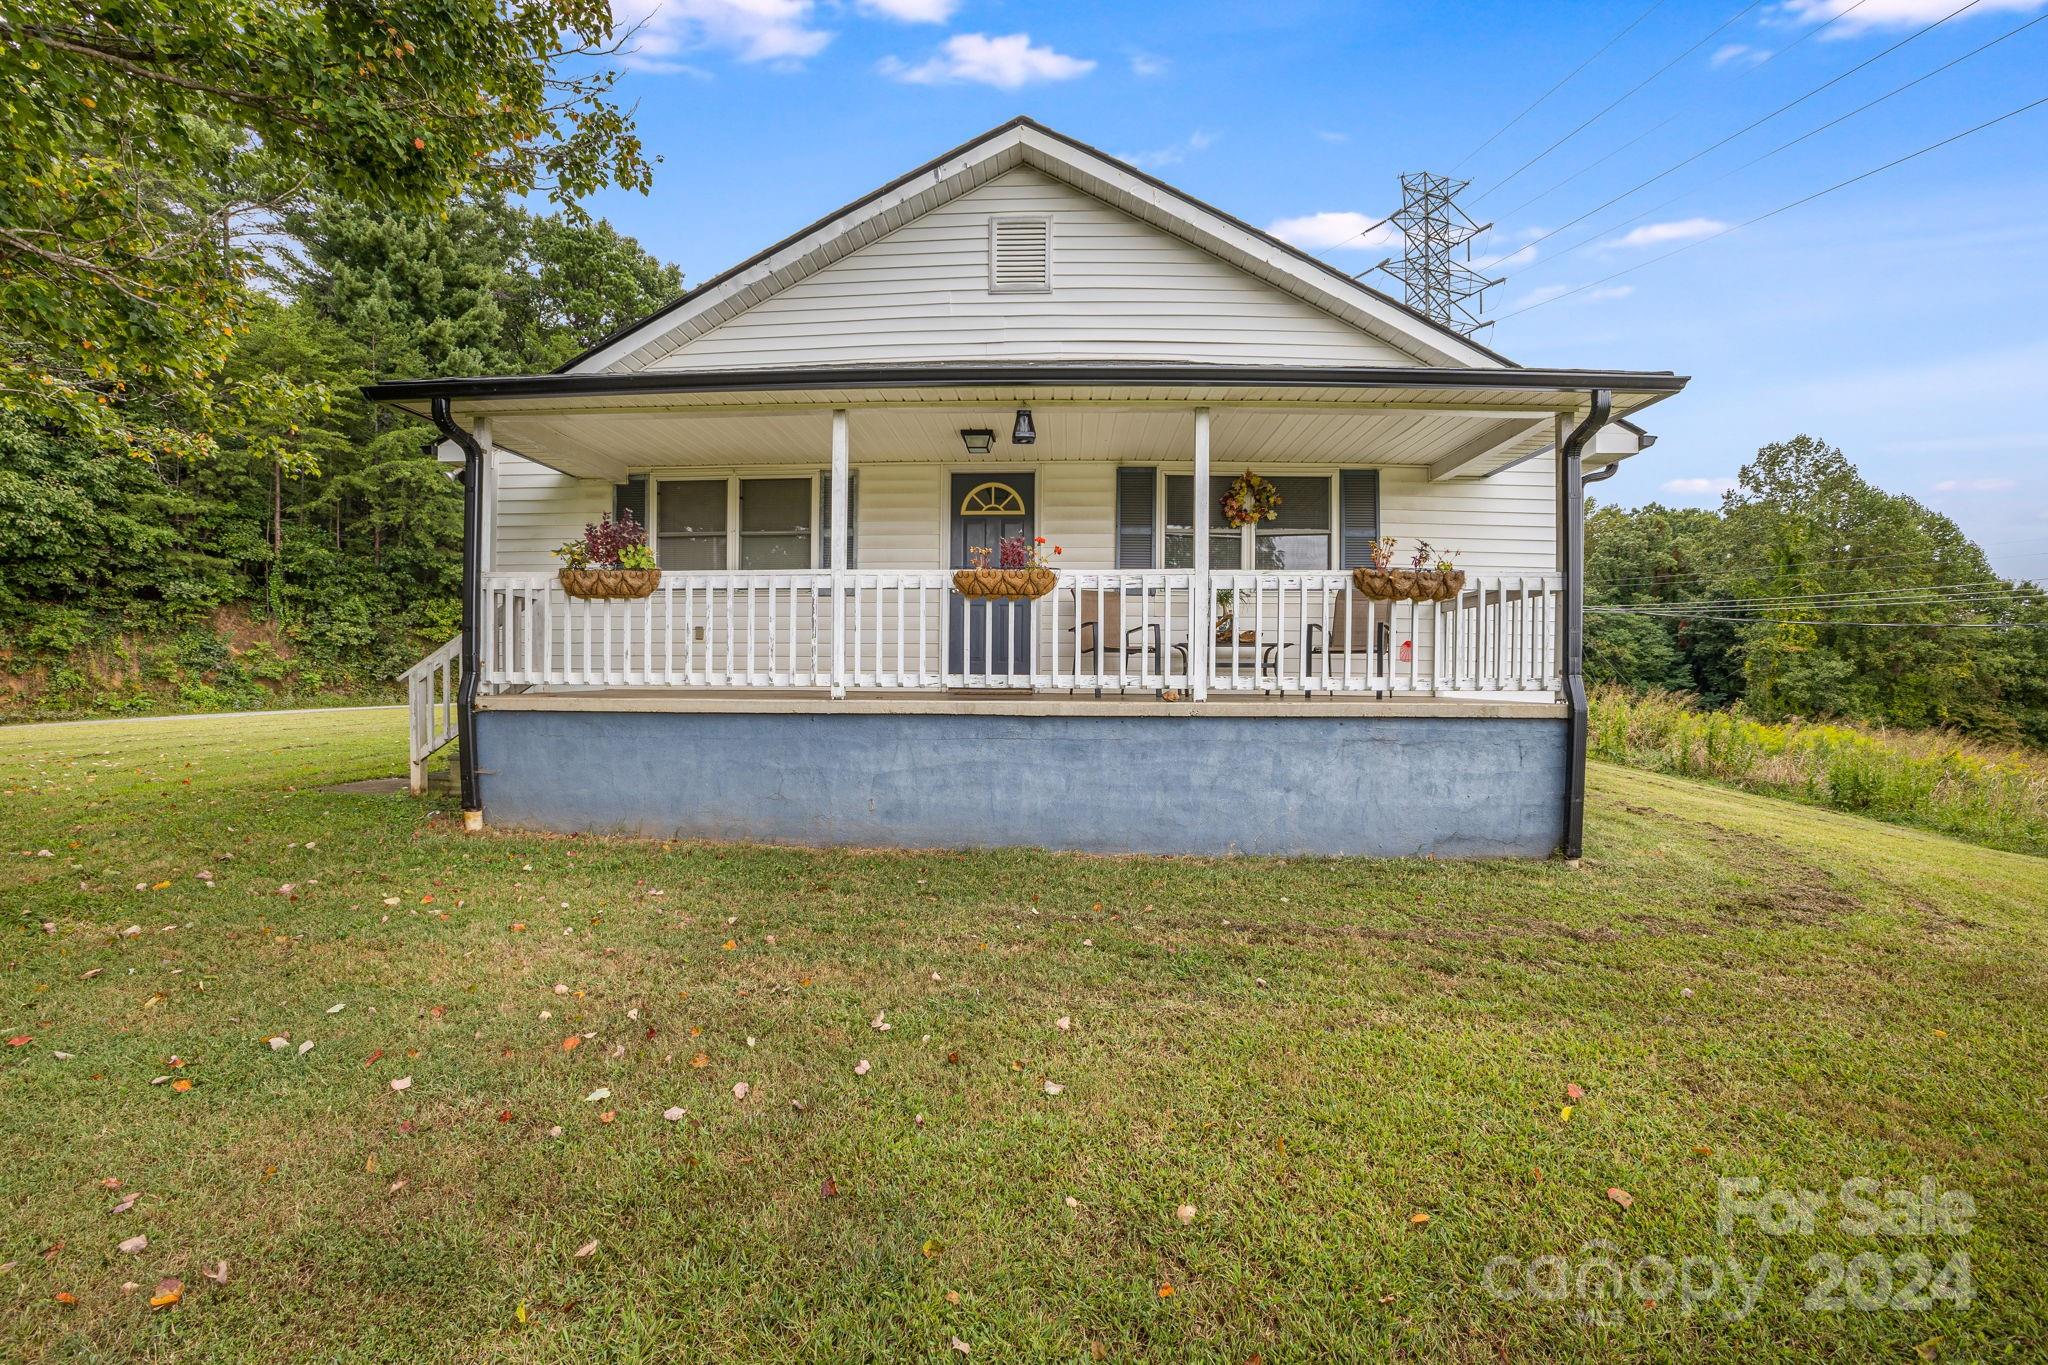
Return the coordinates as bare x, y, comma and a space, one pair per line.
1900, 318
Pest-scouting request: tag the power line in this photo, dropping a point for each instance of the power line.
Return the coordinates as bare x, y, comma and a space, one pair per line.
1661, 124
1902, 597
1894, 625
1605, 109
1531, 107
1784, 146
1711, 148
1782, 208
1817, 563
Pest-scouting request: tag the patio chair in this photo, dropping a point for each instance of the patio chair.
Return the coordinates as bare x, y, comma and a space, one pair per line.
1361, 637
1100, 634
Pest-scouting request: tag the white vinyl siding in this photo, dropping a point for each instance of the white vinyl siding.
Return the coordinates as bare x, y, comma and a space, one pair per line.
1121, 289
1507, 523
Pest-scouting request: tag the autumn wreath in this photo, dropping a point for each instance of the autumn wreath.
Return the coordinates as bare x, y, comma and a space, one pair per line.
1251, 500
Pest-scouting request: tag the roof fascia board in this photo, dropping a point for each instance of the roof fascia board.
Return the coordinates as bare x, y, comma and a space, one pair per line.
1022, 141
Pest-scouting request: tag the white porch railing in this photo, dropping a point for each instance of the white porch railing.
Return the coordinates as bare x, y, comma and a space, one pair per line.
1099, 630
430, 701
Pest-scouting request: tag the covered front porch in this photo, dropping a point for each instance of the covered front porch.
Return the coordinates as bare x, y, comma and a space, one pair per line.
806, 647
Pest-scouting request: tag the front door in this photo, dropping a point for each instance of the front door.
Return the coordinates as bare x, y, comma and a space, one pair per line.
990, 637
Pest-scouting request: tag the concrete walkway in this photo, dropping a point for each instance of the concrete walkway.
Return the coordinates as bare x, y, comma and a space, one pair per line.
196, 715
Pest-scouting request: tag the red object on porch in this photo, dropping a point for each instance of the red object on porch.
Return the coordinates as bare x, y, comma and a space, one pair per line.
1407, 651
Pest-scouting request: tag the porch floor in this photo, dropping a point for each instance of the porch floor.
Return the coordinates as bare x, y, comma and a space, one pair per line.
979, 701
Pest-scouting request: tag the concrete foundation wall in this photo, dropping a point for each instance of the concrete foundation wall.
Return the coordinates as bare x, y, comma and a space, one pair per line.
1380, 786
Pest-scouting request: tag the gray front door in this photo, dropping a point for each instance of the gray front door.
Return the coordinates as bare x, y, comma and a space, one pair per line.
989, 637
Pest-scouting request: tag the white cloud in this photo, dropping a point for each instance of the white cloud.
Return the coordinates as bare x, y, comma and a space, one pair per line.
1662, 234
1612, 291
1541, 294
1173, 154
1976, 486
1147, 64
911, 11
774, 31
1008, 63
1696, 488
1335, 231
1326, 135
1737, 54
1855, 18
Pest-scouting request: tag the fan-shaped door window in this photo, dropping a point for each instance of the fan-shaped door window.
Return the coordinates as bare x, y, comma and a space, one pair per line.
992, 499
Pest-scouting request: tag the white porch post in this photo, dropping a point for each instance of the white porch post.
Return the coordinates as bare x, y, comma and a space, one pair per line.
1203, 625
842, 460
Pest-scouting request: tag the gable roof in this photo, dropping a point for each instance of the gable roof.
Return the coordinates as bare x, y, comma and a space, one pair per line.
1024, 142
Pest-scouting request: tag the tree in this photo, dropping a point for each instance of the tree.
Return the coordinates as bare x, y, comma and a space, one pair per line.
146, 145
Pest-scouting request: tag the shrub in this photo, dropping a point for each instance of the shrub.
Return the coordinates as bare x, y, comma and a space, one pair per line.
1932, 778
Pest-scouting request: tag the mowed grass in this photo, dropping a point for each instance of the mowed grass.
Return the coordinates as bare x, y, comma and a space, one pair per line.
1311, 1053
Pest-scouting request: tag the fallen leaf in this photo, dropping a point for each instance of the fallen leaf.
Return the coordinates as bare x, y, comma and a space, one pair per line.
741, 1090
337, 1009
1186, 1213
862, 1068
1620, 1196
305, 1047
828, 1188
675, 1114
134, 1245
586, 1251
880, 1024
607, 1116
1572, 1092
571, 1043
374, 1057
1564, 1114
952, 1296
1054, 1088
126, 1204
729, 945
219, 1273
65, 1296
1165, 1291
168, 1292
700, 1061
931, 1248
402, 1083
1063, 1024
20, 1040
962, 1347
598, 1094
1418, 1219
181, 1085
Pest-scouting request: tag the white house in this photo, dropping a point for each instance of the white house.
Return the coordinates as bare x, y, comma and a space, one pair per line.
1028, 337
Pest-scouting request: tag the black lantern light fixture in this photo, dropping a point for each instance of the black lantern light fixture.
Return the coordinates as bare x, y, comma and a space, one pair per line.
979, 441
1023, 434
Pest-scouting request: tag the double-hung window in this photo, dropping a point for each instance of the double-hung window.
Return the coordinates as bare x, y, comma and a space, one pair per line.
738, 522
1326, 521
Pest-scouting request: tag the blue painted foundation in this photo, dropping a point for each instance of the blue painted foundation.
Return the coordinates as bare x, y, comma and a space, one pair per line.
1374, 785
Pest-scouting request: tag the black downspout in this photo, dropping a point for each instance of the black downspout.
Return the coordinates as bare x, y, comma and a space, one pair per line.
472, 578
1572, 509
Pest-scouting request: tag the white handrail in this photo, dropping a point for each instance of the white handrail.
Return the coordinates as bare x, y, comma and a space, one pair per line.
430, 697
1099, 630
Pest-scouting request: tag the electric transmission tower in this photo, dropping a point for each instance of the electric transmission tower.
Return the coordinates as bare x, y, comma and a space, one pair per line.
1435, 282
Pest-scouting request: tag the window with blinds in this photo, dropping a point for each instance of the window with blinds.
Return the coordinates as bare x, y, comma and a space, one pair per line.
1019, 254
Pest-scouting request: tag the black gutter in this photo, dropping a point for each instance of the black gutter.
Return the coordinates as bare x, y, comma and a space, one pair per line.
472, 582
487, 387
1572, 512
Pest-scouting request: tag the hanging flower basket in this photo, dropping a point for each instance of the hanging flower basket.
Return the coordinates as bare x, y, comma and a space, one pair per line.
1005, 585
1251, 500
1411, 585
610, 585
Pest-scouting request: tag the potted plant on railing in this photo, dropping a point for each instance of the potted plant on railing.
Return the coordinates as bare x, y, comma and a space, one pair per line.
1021, 571
611, 562
1429, 577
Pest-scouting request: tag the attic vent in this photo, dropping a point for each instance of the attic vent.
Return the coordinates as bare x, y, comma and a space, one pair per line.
1019, 255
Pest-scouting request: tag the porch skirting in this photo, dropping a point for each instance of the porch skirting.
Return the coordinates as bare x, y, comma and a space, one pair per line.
1376, 785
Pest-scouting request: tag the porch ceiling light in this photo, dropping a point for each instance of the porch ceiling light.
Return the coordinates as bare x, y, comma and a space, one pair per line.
979, 441
1023, 434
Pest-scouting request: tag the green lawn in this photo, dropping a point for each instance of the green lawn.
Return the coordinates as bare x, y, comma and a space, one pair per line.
1310, 1053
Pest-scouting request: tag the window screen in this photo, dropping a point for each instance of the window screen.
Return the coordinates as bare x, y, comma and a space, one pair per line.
691, 531
1137, 491
775, 523
1299, 538
1225, 548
